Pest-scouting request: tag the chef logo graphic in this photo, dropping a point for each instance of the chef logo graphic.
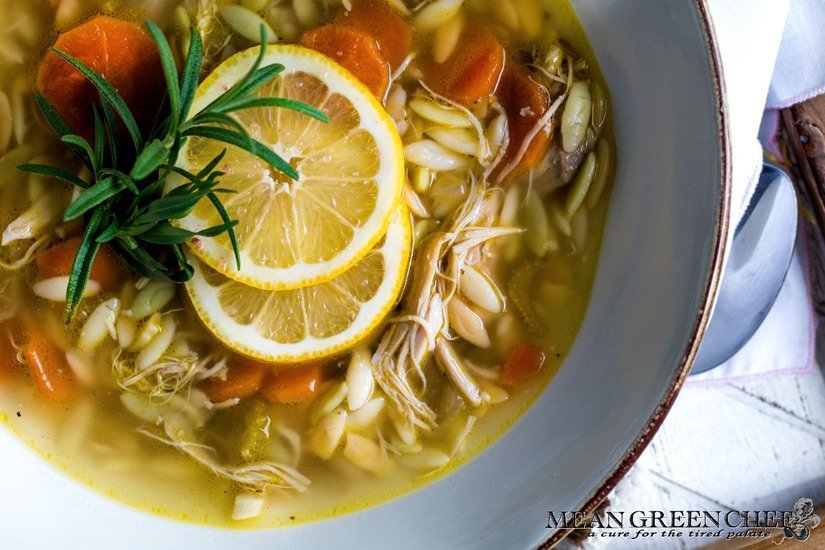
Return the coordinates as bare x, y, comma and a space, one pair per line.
802, 519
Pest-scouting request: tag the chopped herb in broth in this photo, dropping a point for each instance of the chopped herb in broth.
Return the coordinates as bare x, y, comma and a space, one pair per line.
353, 265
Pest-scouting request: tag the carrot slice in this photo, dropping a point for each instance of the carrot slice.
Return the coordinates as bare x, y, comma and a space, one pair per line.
48, 367
354, 50
523, 363
473, 71
243, 379
293, 385
57, 262
378, 19
525, 101
125, 55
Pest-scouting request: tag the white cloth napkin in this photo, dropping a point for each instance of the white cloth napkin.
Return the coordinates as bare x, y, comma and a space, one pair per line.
773, 55
800, 65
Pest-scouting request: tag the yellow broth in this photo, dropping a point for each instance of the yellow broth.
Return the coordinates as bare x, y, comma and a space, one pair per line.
95, 440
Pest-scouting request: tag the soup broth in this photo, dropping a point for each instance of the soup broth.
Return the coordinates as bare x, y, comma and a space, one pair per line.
132, 396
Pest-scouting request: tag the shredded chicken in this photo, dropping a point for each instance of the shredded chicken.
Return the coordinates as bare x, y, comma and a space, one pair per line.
256, 477
422, 324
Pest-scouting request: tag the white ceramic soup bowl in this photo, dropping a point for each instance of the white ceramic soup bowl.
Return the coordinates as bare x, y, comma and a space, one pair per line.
656, 281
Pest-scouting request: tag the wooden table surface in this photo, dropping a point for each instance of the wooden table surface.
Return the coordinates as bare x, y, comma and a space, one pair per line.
756, 445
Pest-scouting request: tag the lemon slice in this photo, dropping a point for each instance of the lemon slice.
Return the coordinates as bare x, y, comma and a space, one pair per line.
295, 233
292, 326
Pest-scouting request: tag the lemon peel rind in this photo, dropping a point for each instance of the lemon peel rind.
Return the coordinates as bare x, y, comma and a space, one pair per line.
246, 341
373, 119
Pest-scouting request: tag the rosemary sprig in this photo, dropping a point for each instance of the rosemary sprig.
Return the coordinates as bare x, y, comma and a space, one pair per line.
126, 204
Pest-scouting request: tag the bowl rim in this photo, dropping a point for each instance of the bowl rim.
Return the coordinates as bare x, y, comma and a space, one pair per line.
700, 323
709, 293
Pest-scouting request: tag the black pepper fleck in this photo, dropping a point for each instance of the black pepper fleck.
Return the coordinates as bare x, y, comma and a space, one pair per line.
19, 414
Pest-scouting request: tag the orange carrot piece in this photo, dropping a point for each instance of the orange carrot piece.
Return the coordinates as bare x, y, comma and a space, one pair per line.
525, 101
472, 73
293, 385
243, 379
378, 19
57, 262
124, 54
48, 367
524, 362
354, 50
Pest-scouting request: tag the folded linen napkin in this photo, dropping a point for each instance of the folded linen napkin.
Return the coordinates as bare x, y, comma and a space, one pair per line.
773, 55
